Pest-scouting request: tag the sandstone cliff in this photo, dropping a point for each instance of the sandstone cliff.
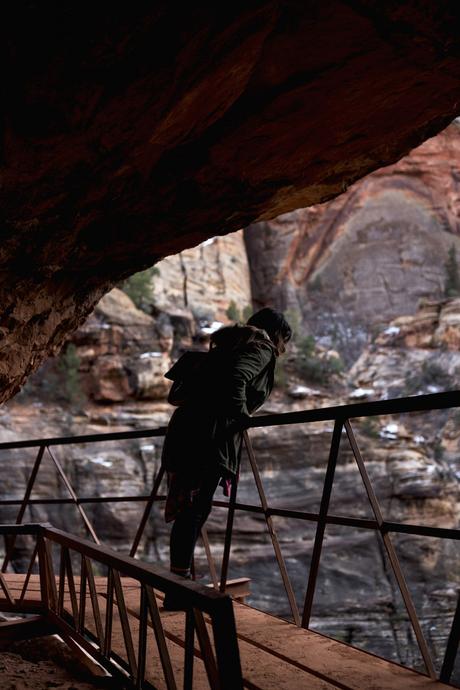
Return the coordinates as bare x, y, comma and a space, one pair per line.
351, 265
203, 281
119, 355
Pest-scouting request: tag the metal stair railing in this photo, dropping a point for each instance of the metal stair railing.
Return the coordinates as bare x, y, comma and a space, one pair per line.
73, 604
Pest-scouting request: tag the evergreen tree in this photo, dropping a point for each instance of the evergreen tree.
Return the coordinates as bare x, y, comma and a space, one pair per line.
233, 313
139, 287
452, 284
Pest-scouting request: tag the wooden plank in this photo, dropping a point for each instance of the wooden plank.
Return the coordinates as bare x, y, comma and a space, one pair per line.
262, 635
275, 654
16, 583
260, 669
153, 672
340, 663
238, 588
26, 628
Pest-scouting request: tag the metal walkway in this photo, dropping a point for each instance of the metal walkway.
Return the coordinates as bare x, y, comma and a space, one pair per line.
271, 652
275, 655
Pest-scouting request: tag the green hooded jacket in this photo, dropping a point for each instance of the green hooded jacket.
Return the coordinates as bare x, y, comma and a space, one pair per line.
217, 392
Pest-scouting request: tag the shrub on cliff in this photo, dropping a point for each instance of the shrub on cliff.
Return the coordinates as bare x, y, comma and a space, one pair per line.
429, 376
234, 314
69, 374
315, 368
139, 287
58, 381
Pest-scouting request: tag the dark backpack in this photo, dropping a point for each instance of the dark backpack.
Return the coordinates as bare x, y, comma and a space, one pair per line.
185, 375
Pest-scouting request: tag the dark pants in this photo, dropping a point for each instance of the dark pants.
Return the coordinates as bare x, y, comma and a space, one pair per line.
188, 524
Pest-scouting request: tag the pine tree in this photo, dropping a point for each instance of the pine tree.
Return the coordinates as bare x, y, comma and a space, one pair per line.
233, 313
139, 287
452, 284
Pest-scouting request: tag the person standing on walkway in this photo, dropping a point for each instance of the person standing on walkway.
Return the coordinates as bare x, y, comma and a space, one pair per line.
215, 393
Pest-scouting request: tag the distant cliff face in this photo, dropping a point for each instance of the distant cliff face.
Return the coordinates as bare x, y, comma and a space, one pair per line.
122, 352
368, 256
203, 281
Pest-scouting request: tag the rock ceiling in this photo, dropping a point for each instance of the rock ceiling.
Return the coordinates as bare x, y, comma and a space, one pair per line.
134, 130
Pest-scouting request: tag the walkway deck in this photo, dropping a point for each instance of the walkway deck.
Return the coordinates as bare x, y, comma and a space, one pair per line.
275, 654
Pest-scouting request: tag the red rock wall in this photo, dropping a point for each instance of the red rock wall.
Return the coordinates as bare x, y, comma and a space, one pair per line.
369, 255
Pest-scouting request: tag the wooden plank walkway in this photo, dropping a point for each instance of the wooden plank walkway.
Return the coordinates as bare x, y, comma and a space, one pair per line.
275, 654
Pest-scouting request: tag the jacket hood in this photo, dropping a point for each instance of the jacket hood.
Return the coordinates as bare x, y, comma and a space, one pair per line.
234, 337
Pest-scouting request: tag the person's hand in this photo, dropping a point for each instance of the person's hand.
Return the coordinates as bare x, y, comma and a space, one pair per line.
238, 424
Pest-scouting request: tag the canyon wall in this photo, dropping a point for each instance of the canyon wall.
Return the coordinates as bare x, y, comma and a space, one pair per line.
380, 252
203, 281
349, 266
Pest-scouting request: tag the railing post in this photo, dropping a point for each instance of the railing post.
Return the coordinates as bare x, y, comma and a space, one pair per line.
52, 589
83, 582
107, 649
226, 645
146, 513
209, 558
160, 639
228, 535
271, 530
42, 565
189, 649
24, 504
452, 646
321, 526
392, 556
73, 496
30, 484
142, 639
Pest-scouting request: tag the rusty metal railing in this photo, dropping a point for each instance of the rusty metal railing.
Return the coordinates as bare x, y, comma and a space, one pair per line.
74, 603
341, 416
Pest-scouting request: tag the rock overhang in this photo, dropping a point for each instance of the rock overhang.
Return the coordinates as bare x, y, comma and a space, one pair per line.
135, 133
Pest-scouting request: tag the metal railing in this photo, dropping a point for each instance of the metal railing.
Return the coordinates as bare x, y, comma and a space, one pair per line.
341, 416
73, 604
